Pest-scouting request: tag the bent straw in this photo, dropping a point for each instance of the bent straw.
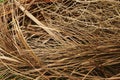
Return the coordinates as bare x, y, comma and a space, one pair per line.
48, 30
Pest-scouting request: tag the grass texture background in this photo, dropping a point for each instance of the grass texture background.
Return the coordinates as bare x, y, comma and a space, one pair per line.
60, 40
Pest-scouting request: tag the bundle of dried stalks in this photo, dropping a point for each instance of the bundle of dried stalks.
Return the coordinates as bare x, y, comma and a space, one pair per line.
60, 40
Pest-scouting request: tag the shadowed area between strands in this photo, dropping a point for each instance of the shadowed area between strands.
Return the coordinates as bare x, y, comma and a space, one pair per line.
60, 40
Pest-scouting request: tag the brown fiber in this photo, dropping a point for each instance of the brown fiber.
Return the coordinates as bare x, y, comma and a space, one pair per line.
60, 40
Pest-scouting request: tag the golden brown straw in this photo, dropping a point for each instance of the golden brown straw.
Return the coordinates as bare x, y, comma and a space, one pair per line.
60, 40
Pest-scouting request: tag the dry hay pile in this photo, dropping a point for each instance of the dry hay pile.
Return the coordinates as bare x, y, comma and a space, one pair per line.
60, 40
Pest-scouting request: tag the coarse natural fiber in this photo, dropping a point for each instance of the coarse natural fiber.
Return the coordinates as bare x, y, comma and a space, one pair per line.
60, 40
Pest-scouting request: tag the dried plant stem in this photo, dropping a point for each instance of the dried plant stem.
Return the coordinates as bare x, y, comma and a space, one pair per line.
48, 30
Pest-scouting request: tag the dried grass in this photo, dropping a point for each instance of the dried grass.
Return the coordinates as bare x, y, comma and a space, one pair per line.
60, 40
